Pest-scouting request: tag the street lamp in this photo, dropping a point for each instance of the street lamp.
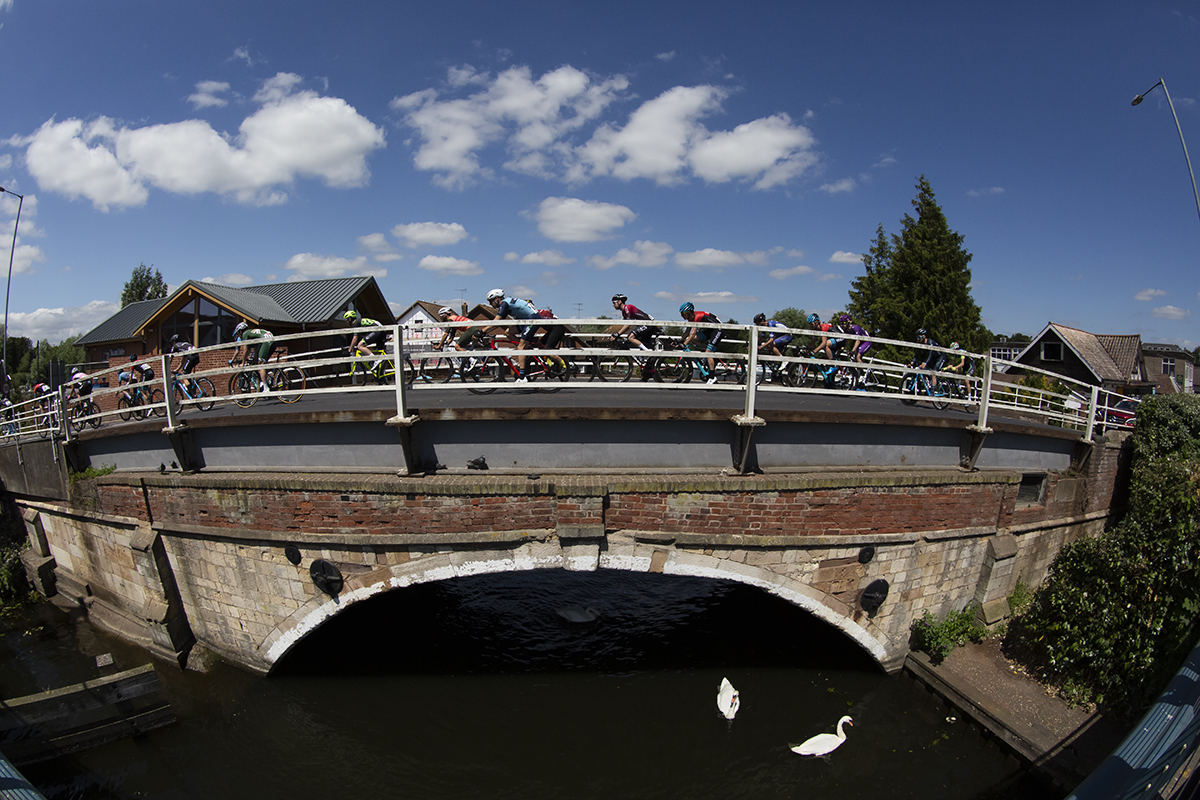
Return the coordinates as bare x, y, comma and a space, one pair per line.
1186, 157
12, 252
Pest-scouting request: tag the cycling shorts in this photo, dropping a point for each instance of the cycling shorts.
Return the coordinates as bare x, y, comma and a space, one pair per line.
863, 346
466, 339
783, 341
710, 336
374, 339
266, 348
646, 334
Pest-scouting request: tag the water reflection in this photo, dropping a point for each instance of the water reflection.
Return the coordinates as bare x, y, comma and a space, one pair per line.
479, 687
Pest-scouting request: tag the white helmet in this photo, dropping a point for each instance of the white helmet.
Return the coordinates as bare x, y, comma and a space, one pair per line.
445, 311
495, 294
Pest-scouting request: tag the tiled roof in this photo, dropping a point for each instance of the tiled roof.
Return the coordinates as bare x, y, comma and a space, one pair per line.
124, 324
1092, 351
1124, 351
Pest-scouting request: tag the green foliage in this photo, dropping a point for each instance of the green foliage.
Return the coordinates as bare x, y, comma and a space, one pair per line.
1118, 613
939, 638
791, 316
1020, 598
92, 472
13, 583
143, 285
920, 278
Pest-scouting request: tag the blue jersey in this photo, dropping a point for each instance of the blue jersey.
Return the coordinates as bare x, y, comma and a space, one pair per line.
512, 308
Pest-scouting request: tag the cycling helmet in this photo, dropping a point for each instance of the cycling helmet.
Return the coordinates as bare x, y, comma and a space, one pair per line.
686, 308
350, 316
921, 333
237, 329
445, 311
813, 319
955, 346
619, 298
844, 319
175, 339
760, 319
495, 294
133, 357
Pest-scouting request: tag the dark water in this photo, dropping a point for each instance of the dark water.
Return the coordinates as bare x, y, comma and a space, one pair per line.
480, 688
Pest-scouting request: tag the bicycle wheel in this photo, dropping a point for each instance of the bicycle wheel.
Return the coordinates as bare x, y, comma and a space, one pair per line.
290, 383
205, 395
242, 387
76, 415
908, 389
156, 400
488, 374
617, 368
870, 381
125, 408
937, 395
45, 424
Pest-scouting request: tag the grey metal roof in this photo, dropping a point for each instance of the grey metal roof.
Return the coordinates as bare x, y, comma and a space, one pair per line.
311, 301
124, 324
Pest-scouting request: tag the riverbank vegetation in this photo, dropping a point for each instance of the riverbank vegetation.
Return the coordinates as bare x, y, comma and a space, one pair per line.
14, 587
1120, 612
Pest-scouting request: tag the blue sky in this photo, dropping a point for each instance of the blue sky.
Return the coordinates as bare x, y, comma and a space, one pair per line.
739, 155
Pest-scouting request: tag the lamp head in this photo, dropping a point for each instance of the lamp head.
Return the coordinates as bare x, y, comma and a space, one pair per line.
1138, 99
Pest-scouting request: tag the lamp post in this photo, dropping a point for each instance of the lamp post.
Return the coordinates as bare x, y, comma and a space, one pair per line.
12, 252
1186, 157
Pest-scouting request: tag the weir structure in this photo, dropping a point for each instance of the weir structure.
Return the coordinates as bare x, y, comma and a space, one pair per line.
283, 520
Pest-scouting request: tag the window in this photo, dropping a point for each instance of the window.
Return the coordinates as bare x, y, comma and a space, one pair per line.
1052, 351
1032, 489
200, 322
1168, 366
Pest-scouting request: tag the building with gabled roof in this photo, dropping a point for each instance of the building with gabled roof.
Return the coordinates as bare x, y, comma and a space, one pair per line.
206, 313
1171, 368
1110, 361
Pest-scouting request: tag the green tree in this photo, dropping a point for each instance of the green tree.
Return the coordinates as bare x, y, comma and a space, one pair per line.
791, 316
143, 284
919, 279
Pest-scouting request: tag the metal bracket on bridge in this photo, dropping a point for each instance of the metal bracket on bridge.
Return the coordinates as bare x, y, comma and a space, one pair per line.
746, 425
187, 454
975, 447
403, 426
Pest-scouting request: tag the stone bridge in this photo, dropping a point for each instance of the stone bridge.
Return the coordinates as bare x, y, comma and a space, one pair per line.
244, 560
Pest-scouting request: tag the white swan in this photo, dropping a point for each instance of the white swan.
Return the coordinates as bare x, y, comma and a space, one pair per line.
578, 613
728, 700
824, 743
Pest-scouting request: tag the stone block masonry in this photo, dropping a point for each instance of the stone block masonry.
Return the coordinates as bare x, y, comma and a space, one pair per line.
205, 556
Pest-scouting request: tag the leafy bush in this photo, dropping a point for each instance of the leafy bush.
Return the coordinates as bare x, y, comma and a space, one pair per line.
939, 638
13, 583
1118, 613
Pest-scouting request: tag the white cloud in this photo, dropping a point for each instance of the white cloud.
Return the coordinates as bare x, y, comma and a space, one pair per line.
56, 324
430, 234
782, 274
845, 257
206, 94
991, 190
229, 279
709, 257
706, 298
569, 219
551, 258
665, 56
538, 124
446, 265
24, 256
291, 136
837, 187
310, 266
378, 248
1149, 294
1171, 312
642, 254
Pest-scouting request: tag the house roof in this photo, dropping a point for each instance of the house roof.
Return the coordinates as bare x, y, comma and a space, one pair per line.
1111, 358
124, 324
296, 302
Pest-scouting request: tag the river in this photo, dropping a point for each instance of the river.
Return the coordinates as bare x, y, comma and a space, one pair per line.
541, 685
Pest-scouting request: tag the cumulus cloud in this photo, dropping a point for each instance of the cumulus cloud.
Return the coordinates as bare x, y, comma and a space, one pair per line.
294, 134
845, 257
705, 298
378, 248
446, 265
25, 255
207, 93
642, 254
1149, 294
229, 279
991, 190
551, 258
838, 187
56, 324
718, 260
543, 127
1171, 312
310, 266
430, 234
569, 219
783, 274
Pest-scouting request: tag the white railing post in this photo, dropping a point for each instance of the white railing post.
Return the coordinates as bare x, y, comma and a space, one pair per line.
1093, 409
985, 392
398, 361
64, 426
751, 369
168, 381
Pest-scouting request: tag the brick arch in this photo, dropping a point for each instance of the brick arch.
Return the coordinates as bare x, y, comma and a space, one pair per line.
644, 558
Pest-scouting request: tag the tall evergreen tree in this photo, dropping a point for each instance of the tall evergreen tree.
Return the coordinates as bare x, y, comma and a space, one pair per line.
143, 285
920, 279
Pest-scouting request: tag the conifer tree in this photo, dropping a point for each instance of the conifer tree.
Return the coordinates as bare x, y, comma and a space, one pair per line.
920, 279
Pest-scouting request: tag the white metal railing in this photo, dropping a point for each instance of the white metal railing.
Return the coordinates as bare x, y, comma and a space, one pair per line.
591, 356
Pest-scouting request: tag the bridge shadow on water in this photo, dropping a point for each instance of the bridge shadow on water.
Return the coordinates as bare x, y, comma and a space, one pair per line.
556, 621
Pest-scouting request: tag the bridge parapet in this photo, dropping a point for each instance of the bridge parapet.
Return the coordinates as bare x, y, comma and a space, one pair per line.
226, 558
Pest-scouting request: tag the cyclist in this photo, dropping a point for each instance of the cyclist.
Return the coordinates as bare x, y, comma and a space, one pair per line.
188, 357
82, 383
42, 393
242, 332
515, 308
368, 342
964, 365
463, 337
861, 346
640, 334
138, 371
710, 336
933, 358
828, 345
776, 342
